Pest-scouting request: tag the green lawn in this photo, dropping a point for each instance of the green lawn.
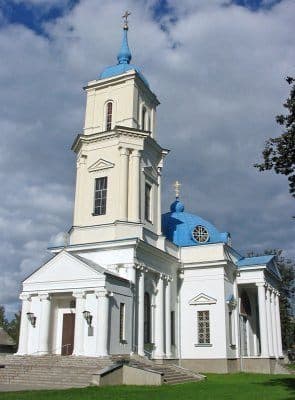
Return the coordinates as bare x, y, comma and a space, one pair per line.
216, 387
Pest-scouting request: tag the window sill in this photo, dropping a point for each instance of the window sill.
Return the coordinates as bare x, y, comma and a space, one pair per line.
96, 215
203, 345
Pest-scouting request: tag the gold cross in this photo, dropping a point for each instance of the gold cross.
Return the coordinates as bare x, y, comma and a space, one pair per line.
177, 186
125, 18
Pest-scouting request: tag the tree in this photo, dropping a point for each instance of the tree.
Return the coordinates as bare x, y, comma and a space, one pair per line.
279, 152
287, 292
11, 327
3, 320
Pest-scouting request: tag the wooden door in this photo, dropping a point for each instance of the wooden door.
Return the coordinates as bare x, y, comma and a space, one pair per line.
68, 329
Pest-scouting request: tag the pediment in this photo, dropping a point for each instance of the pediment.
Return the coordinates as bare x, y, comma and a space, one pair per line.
202, 299
64, 267
100, 165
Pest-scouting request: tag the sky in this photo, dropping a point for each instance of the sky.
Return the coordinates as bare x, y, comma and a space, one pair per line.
218, 69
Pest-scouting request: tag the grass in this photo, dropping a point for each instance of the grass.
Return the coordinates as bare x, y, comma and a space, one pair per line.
216, 387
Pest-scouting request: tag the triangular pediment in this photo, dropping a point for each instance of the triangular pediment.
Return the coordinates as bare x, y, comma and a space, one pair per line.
202, 298
100, 165
64, 267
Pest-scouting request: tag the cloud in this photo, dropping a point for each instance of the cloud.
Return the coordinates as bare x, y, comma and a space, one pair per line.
218, 72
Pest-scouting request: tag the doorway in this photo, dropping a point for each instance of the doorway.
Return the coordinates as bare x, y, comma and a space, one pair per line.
68, 329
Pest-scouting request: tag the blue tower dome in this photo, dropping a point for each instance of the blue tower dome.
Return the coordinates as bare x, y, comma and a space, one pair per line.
184, 229
124, 57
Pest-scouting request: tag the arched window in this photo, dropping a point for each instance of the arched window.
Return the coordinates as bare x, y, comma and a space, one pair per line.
143, 119
147, 318
109, 114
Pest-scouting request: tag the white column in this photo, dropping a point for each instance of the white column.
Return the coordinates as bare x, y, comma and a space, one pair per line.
273, 323
159, 209
140, 314
79, 324
262, 321
24, 325
123, 200
278, 325
168, 318
134, 177
159, 328
44, 324
102, 323
269, 325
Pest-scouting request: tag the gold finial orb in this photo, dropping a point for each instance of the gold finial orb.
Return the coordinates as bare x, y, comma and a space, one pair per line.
125, 18
177, 186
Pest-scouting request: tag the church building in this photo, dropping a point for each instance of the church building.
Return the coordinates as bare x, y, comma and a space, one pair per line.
132, 280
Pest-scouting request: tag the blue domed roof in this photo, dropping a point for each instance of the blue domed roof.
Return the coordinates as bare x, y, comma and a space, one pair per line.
124, 57
178, 227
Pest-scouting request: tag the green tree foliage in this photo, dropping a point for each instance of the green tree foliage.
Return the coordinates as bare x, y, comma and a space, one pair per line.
287, 291
279, 152
11, 327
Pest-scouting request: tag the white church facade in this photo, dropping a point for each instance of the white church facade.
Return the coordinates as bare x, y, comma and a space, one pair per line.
132, 280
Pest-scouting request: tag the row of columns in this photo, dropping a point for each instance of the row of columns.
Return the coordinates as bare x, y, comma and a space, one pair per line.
44, 318
162, 316
129, 184
269, 321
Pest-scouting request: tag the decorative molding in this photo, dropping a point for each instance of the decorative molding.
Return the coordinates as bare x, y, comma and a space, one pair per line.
100, 165
202, 298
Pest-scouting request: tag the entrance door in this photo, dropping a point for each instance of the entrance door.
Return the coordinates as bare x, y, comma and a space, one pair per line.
68, 328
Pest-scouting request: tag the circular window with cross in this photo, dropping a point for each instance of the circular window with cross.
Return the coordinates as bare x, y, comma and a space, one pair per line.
200, 234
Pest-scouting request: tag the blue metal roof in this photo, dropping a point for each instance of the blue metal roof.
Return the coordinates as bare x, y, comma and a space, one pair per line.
178, 226
248, 261
124, 57
267, 260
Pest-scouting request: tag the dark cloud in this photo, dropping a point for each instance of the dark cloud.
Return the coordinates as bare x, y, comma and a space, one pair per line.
220, 89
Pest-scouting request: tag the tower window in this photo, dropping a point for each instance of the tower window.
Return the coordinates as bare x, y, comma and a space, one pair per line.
203, 327
143, 118
109, 114
147, 204
100, 195
122, 322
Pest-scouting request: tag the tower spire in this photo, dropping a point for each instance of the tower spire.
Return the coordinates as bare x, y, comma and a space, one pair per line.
124, 55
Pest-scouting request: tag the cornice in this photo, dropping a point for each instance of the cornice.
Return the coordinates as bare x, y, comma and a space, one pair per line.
117, 132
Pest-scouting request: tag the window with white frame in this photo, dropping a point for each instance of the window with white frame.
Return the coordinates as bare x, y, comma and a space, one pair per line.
203, 327
100, 195
109, 115
122, 322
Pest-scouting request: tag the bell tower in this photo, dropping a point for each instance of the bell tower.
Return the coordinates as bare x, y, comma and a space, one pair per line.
119, 162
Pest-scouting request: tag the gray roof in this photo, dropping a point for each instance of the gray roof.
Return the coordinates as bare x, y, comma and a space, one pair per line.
5, 339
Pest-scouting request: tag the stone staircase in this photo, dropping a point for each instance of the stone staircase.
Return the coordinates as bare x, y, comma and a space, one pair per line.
53, 371
50, 371
172, 374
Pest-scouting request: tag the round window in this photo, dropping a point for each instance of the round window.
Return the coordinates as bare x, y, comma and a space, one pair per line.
200, 234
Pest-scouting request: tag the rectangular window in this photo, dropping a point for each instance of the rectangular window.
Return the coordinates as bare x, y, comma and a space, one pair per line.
100, 196
147, 204
122, 322
203, 327
173, 328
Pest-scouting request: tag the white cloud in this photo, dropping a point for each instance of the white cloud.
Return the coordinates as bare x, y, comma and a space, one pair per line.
220, 89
